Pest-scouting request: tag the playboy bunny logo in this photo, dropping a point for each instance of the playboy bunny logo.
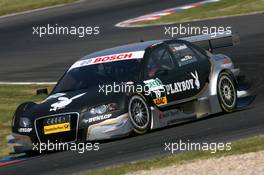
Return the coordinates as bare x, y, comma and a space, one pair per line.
63, 102
196, 77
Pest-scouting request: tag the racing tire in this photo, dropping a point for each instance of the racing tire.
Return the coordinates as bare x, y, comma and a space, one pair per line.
227, 93
139, 114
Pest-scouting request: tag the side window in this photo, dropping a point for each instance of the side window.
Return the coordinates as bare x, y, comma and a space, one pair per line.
159, 59
199, 52
183, 54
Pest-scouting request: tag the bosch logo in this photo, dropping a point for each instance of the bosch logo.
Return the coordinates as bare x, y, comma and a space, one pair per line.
113, 57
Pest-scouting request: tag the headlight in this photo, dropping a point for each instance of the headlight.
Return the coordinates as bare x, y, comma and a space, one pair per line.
24, 122
103, 108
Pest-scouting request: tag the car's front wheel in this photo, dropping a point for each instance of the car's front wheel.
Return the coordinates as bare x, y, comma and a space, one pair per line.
227, 93
139, 114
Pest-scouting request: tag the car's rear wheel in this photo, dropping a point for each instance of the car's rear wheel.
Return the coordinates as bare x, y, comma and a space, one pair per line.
139, 114
227, 93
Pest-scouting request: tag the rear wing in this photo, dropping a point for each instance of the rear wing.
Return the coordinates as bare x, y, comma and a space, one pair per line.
214, 41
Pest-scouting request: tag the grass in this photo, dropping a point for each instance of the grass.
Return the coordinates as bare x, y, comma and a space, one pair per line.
238, 147
10, 97
14, 6
217, 9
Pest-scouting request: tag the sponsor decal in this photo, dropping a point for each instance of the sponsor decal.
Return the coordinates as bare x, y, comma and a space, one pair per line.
62, 127
185, 85
113, 57
63, 102
108, 58
154, 84
186, 58
182, 47
24, 130
156, 88
99, 118
55, 96
196, 79
52, 97
86, 62
160, 101
159, 91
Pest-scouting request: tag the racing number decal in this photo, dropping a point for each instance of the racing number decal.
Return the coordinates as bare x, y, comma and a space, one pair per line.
157, 91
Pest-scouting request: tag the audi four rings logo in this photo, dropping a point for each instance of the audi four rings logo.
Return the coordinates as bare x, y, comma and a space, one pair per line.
56, 120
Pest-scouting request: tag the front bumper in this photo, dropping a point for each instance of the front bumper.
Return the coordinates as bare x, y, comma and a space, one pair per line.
111, 128
19, 143
107, 129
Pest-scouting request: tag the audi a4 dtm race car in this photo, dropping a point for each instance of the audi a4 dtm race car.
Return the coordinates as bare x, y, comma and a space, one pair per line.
169, 81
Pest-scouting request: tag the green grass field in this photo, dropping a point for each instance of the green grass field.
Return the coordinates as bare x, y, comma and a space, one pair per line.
14, 6
218, 9
10, 97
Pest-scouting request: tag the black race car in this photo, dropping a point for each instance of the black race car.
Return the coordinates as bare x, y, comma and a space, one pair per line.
132, 88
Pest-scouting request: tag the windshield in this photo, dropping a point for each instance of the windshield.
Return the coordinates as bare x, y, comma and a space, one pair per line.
99, 74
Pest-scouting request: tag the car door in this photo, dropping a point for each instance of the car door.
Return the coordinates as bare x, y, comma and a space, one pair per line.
159, 72
191, 73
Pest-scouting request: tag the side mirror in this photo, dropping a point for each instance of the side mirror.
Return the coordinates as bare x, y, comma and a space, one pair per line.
162, 72
42, 91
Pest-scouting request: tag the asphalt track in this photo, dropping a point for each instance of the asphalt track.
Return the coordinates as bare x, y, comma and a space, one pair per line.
24, 57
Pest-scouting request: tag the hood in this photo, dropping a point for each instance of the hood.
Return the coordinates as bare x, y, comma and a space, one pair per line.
72, 101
